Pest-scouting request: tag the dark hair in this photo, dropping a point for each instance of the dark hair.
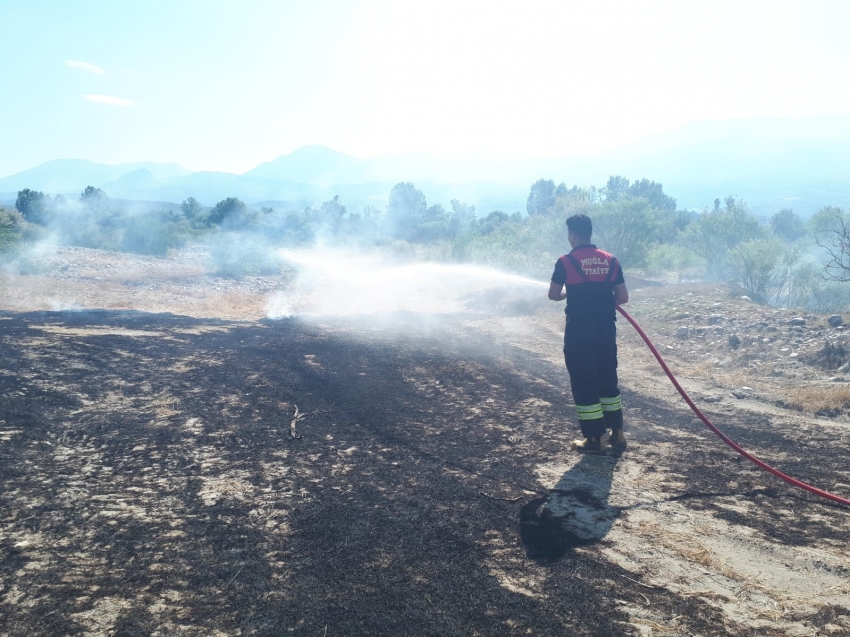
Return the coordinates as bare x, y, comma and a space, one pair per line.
581, 226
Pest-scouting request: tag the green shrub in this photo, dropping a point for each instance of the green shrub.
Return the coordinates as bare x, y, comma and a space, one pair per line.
233, 256
763, 267
11, 228
145, 234
675, 259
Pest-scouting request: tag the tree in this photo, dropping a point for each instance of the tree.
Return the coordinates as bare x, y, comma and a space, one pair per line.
809, 289
675, 223
717, 231
434, 225
230, 209
576, 200
461, 217
146, 234
616, 188
763, 267
787, 225
194, 213
628, 228
653, 192
666, 258
192, 209
683, 218
11, 224
435, 213
492, 221
329, 217
405, 210
541, 198
331, 212
365, 222
31, 204
831, 227
93, 197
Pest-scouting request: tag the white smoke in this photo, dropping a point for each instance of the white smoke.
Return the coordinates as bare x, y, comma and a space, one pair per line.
278, 306
57, 305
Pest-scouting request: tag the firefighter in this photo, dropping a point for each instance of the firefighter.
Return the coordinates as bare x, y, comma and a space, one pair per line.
594, 286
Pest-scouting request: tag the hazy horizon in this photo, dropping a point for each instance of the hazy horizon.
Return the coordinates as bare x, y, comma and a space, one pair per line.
496, 156
772, 163
216, 86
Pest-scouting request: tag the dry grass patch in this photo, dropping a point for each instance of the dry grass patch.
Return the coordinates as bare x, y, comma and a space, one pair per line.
688, 546
703, 371
36, 293
747, 591
235, 305
165, 405
814, 398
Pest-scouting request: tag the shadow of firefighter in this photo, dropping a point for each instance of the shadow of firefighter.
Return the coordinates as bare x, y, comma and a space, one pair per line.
574, 513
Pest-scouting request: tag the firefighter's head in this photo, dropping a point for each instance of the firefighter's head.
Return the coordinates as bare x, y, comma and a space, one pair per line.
580, 229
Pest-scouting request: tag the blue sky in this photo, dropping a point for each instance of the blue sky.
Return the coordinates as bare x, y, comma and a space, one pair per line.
219, 85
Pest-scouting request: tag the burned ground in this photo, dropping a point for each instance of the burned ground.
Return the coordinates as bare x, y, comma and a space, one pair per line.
154, 483
157, 481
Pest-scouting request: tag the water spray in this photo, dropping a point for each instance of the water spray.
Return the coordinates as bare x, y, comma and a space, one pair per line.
334, 282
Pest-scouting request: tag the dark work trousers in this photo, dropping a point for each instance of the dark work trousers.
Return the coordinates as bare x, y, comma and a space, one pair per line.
590, 351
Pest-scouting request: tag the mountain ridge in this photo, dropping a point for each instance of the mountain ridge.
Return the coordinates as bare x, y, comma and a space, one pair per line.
804, 163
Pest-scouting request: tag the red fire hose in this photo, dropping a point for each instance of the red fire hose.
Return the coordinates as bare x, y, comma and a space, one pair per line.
720, 434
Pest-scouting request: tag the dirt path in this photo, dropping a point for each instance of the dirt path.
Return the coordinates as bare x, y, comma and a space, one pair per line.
154, 484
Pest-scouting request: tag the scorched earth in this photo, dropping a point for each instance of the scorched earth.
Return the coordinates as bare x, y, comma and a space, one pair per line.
174, 463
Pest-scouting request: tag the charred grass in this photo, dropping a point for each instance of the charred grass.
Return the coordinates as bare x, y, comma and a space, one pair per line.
157, 485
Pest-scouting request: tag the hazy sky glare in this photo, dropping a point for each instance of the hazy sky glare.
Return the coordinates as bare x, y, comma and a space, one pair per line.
219, 85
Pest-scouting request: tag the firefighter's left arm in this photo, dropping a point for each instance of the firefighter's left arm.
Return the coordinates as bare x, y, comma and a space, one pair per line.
557, 292
621, 294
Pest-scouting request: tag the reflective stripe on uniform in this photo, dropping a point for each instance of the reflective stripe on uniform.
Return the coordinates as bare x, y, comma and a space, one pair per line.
611, 404
589, 412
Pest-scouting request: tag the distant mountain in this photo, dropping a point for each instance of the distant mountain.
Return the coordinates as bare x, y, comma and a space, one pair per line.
802, 164
770, 162
316, 165
73, 175
133, 180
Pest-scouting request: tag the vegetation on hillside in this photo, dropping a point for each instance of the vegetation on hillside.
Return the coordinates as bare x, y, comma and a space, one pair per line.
15, 230
780, 260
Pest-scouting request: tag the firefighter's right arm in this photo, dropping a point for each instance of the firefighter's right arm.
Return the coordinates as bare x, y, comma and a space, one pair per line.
556, 285
621, 294
556, 292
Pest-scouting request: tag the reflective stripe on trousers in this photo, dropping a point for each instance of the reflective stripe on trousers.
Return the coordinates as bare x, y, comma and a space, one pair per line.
589, 412
611, 404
